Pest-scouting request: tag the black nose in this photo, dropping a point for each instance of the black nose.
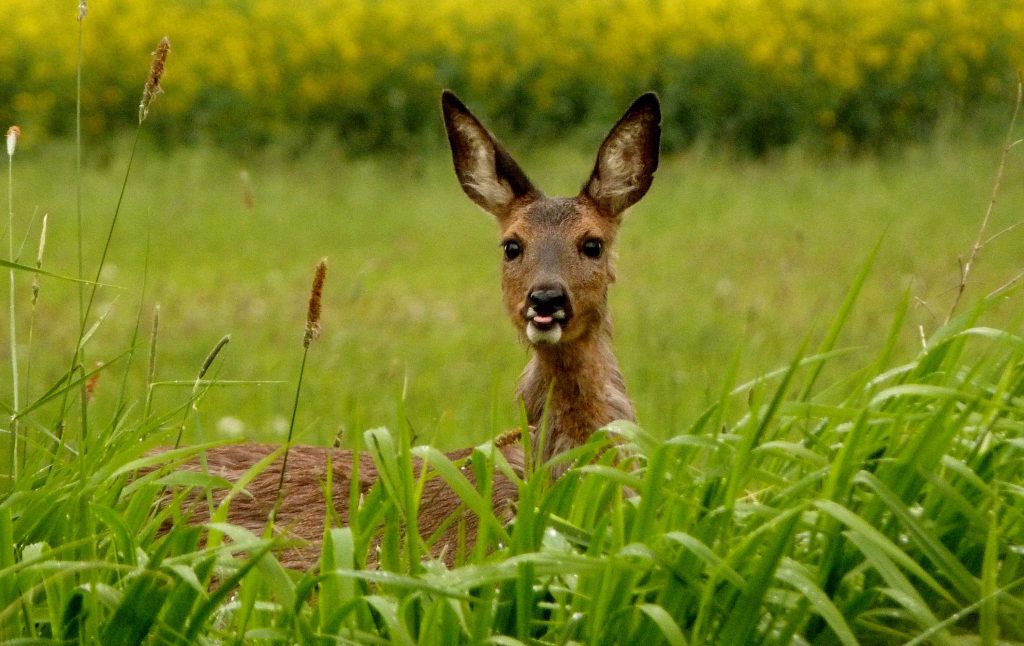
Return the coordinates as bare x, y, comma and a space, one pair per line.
547, 300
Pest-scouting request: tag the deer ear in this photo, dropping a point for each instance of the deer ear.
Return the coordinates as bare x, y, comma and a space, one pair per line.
628, 158
488, 174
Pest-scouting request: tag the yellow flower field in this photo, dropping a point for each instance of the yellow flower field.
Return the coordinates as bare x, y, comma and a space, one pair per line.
759, 72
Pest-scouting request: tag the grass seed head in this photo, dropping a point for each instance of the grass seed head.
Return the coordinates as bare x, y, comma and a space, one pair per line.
12, 139
313, 315
213, 355
42, 241
39, 260
93, 382
83, 8
156, 72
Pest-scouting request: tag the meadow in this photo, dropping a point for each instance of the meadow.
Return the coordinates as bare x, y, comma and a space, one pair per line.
726, 259
730, 268
825, 351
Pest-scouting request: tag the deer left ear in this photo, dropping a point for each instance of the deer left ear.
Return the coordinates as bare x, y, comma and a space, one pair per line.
628, 158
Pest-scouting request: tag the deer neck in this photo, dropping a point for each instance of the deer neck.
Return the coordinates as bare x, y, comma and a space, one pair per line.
575, 389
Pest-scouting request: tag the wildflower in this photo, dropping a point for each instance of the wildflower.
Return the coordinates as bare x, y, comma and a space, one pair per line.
12, 139
156, 72
313, 316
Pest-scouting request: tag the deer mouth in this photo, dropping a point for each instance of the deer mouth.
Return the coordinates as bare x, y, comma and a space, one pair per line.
546, 326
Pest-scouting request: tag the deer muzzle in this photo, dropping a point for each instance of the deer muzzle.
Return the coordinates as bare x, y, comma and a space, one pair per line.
548, 310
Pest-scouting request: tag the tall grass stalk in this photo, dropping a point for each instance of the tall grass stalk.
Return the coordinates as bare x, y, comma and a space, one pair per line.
199, 381
980, 241
12, 141
310, 334
82, 11
154, 335
36, 288
151, 88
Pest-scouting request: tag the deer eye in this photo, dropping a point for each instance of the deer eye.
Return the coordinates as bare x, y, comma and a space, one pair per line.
513, 249
592, 248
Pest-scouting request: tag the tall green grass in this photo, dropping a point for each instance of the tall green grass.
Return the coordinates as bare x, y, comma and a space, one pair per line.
858, 494
886, 507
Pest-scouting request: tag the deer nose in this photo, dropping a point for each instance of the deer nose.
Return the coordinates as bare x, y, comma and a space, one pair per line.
549, 299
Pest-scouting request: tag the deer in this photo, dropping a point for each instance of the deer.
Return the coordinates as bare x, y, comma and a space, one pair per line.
557, 264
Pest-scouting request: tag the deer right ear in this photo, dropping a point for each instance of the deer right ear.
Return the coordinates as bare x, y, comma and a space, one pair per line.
488, 174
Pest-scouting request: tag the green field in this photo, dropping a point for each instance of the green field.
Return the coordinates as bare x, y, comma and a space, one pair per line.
725, 258
878, 501
818, 315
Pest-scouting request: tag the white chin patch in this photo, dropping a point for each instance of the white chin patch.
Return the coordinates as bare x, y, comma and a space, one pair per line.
536, 335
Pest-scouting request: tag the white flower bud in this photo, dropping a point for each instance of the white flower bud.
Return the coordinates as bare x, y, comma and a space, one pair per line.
12, 139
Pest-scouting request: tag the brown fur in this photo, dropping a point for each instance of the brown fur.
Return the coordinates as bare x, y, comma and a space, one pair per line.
572, 381
300, 519
587, 389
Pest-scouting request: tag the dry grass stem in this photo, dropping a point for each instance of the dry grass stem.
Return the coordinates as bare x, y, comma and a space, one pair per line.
1008, 229
1008, 285
980, 241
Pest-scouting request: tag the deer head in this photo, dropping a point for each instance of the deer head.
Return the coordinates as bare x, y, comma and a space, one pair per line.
558, 259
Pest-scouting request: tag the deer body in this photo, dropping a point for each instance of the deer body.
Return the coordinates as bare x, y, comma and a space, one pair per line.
558, 264
300, 519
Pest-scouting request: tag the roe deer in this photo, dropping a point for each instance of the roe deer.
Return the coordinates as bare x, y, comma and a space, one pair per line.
557, 266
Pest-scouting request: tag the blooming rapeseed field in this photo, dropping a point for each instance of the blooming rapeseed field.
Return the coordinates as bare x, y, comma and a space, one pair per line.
756, 72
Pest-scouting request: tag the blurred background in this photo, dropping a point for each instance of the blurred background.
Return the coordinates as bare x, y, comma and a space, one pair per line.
798, 135
753, 75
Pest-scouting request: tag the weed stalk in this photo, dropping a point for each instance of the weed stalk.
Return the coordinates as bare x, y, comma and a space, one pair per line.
312, 332
151, 88
36, 286
12, 141
151, 368
980, 241
82, 10
207, 363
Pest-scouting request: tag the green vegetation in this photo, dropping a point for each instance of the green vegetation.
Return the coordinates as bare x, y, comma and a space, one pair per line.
722, 254
830, 450
869, 492
882, 507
